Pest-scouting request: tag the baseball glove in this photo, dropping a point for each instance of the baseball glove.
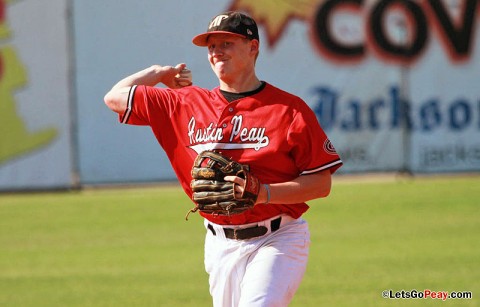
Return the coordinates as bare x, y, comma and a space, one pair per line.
212, 194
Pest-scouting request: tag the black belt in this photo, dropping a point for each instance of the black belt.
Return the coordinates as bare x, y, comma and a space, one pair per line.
248, 233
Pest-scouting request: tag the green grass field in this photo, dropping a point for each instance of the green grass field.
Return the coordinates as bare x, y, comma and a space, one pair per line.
119, 247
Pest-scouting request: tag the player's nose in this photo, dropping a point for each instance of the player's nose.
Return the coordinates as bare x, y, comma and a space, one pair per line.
215, 51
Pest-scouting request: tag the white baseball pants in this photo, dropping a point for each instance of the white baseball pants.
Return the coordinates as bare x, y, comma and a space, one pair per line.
263, 271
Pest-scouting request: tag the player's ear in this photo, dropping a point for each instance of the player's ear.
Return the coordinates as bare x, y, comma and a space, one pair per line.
254, 46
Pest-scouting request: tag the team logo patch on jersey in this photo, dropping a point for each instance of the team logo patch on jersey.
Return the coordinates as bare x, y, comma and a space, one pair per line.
328, 147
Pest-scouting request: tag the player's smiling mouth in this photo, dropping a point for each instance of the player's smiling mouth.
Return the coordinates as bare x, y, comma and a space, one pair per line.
220, 63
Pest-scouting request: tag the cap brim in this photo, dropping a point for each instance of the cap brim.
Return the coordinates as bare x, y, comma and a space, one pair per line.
201, 39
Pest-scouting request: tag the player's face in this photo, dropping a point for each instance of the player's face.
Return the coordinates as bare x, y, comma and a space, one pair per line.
230, 56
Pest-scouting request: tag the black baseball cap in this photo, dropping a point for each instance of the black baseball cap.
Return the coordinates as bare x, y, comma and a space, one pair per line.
229, 23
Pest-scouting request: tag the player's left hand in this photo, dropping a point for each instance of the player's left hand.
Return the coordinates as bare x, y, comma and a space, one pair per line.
215, 195
239, 188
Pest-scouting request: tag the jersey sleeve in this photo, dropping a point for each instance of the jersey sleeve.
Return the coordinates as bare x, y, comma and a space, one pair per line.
146, 103
311, 149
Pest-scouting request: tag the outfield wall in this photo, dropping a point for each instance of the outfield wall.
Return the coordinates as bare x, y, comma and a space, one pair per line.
393, 82
35, 95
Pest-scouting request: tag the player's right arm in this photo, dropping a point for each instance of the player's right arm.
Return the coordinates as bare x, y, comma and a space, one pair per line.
116, 98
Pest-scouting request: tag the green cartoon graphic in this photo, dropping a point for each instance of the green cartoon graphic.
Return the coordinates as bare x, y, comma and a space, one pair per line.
16, 139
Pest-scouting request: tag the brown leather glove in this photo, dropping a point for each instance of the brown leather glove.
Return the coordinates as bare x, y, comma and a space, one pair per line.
212, 194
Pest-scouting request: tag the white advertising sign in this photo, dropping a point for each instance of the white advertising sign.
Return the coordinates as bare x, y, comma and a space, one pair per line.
35, 141
393, 82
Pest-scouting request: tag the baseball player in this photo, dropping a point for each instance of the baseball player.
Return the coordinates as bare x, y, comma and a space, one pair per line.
256, 257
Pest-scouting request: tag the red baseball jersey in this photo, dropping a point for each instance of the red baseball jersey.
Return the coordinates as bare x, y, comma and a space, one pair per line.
272, 131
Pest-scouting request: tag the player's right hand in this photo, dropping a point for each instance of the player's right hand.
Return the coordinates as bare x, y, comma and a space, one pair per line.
176, 77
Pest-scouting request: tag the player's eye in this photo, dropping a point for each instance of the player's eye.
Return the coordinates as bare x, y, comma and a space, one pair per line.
221, 46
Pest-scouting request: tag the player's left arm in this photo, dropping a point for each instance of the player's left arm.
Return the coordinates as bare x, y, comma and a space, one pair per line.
299, 190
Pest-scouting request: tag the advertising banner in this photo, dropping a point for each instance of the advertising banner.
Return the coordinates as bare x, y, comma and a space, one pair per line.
35, 101
393, 82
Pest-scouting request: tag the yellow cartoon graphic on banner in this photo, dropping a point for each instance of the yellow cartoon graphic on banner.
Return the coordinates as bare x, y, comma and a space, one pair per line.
275, 15
16, 139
